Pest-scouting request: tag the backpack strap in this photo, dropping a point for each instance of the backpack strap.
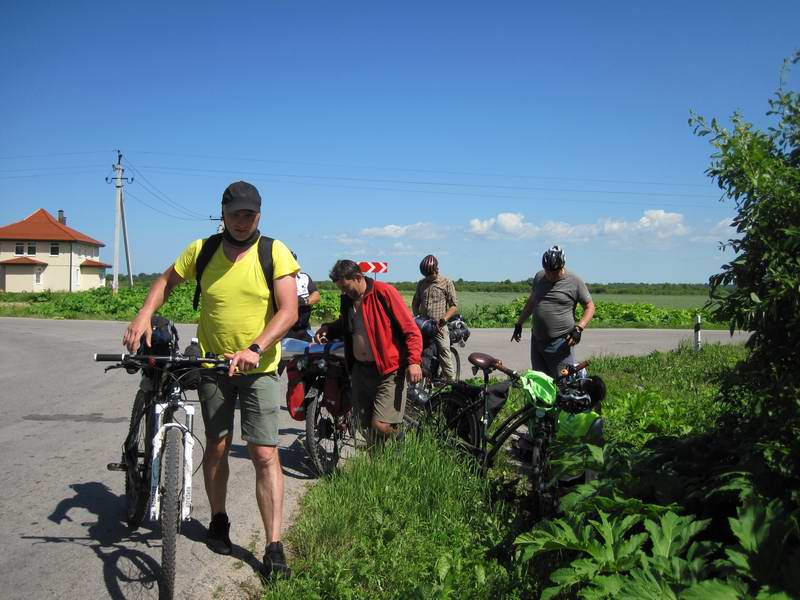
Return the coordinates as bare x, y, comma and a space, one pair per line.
265, 258
210, 246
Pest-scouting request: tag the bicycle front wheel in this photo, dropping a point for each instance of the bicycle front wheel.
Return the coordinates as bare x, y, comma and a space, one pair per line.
453, 418
546, 493
172, 488
137, 456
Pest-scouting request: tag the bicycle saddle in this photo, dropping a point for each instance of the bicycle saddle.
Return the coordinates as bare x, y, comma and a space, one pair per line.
482, 361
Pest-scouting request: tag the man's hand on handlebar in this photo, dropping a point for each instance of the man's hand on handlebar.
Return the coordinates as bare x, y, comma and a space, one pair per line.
414, 374
517, 335
140, 326
245, 360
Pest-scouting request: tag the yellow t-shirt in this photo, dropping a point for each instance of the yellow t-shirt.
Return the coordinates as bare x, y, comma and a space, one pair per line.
235, 305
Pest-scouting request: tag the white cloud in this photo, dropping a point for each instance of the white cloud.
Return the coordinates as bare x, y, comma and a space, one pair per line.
401, 249
654, 224
415, 231
721, 232
659, 223
347, 240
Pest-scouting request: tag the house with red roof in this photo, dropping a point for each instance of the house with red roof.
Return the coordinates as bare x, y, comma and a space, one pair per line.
41, 253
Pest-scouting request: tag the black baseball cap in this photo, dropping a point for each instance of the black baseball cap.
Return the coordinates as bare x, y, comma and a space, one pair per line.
241, 196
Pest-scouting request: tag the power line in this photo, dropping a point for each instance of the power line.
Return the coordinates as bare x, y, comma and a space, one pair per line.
159, 195
432, 171
158, 210
29, 169
78, 172
435, 184
50, 155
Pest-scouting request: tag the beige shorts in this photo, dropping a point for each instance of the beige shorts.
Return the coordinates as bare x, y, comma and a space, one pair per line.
259, 398
376, 396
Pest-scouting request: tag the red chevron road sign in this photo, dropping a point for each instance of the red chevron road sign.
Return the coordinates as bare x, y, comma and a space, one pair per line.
373, 266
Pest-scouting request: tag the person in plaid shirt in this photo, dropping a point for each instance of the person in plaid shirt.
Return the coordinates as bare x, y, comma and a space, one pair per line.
435, 298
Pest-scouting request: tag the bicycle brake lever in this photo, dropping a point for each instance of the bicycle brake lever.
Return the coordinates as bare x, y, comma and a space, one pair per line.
107, 369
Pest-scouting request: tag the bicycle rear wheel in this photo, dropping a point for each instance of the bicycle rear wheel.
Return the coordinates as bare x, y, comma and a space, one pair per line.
172, 487
456, 363
137, 455
324, 435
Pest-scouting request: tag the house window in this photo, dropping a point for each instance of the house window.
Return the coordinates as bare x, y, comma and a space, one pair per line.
19, 250
38, 275
31, 248
53, 248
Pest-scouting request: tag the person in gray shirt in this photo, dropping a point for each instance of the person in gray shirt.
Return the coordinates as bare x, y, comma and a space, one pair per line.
555, 295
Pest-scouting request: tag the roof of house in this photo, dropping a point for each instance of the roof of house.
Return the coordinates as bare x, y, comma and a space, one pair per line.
22, 260
94, 263
41, 225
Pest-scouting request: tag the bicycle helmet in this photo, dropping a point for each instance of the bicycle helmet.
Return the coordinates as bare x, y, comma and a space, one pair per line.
429, 265
553, 259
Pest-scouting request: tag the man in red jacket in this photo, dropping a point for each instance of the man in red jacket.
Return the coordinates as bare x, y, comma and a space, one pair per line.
383, 346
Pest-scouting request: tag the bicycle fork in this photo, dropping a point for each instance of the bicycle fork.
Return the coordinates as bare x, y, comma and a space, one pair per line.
159, 438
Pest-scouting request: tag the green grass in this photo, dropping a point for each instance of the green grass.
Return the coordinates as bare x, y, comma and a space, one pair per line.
414, 521
467, 301
664, 393
659, 300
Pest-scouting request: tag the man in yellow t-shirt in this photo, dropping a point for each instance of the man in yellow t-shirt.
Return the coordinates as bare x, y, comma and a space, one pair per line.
237, 319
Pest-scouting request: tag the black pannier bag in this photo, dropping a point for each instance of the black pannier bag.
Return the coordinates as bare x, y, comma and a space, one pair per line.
458, 329
164, 340
191, 379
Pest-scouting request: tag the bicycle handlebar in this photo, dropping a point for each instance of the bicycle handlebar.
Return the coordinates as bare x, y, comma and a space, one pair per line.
152, 361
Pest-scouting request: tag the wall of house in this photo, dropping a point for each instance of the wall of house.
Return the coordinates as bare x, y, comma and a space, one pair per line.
59, 271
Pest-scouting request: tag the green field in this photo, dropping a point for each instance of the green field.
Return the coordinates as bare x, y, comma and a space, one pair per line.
469, 300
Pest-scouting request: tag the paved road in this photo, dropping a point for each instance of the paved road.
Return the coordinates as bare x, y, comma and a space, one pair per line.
61, 511
594, 342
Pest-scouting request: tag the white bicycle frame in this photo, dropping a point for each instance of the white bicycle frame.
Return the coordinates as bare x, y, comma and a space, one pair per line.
158, 443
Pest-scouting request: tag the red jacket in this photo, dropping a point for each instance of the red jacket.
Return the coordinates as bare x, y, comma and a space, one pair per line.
393, 335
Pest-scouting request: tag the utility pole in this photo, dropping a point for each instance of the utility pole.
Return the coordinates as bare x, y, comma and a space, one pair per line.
119, 222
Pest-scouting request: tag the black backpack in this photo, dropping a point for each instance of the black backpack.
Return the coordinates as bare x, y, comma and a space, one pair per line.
210, 246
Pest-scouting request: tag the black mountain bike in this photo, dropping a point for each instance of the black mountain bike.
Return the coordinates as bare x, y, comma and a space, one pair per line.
466, 412
157, 452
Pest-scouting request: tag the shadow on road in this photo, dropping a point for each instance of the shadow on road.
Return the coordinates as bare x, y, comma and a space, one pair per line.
127, 572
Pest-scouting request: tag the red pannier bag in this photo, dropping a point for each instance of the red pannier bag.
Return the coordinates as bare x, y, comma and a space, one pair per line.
295, 393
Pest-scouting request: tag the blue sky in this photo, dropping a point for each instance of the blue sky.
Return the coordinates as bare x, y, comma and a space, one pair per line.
480, 132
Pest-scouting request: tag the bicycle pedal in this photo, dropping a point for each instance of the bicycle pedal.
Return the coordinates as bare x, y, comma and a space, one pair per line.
117, 467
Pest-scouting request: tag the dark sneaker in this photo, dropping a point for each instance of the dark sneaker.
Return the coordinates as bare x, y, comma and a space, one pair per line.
219, 539
275, 566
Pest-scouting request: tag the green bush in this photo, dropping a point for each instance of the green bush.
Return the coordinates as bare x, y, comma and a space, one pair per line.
760, 172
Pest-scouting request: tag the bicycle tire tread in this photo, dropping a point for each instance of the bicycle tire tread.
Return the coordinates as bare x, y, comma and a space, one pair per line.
170, 510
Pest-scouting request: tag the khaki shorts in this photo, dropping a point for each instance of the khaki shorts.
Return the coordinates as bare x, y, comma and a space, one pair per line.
259, 400
377, 396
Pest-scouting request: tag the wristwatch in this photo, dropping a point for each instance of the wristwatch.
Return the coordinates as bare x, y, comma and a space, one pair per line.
255, 348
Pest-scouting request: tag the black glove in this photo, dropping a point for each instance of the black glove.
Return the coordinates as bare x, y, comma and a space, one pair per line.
575, 334
517, 335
